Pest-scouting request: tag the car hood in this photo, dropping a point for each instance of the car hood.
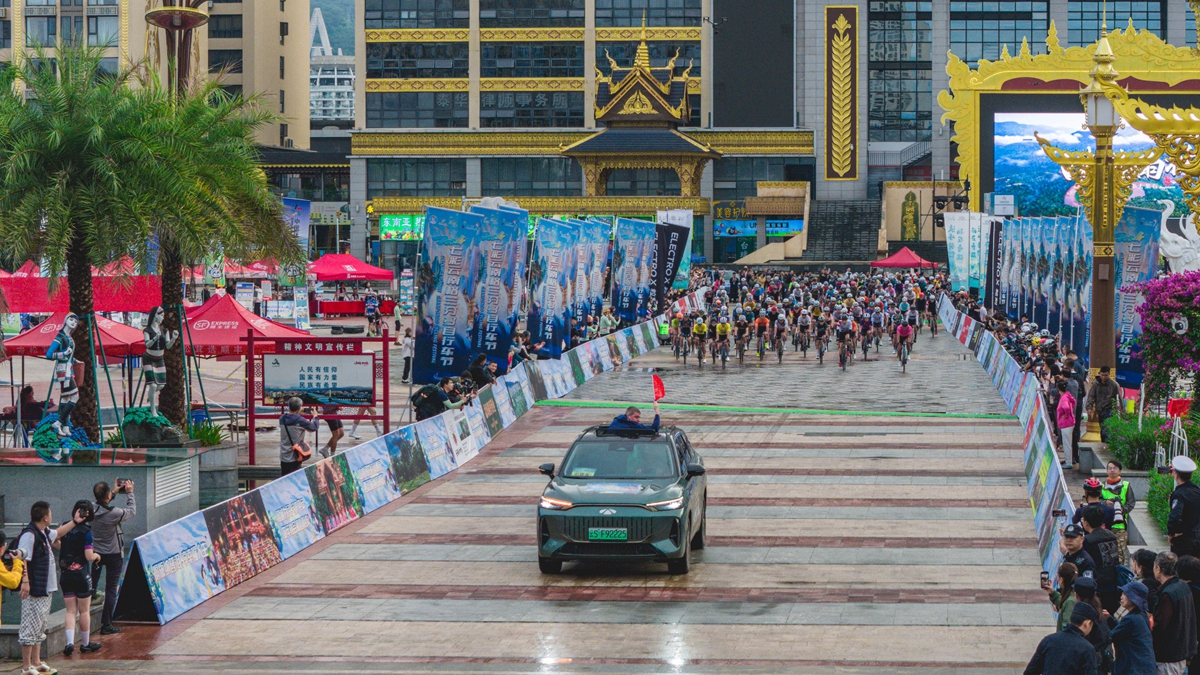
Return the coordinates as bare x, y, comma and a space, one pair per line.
596, 491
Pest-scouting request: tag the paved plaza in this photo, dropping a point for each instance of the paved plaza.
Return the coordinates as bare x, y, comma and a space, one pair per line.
838, 543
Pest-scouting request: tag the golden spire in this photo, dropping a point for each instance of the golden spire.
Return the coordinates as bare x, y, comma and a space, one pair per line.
642, 58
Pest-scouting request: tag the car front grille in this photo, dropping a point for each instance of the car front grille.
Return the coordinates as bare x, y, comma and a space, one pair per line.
606, 549
576, 527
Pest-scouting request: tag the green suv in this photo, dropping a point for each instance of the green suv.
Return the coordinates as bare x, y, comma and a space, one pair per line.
624, 494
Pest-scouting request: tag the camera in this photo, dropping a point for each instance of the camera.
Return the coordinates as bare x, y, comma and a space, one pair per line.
1163, 470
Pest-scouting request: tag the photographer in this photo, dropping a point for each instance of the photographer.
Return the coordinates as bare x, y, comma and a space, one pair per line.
109, 543
432, 400
293, 449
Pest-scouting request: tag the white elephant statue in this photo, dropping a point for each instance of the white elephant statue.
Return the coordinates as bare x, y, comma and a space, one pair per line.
1179, 243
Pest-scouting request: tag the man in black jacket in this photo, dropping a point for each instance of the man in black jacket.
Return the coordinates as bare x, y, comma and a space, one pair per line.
1068, 652
1102, 546
1071, 545
1183, 524
1174, 618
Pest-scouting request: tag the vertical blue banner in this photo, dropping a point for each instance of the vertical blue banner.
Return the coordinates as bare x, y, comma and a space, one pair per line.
1054, 276
1028, 268
633, 253
1085, 291
497, 301
581, 306
1136, 239
1012, 263
550, 282
452, 271
599, 237
1041, 269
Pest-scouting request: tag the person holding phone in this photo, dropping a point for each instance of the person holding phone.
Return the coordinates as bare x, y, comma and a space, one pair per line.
108, 541
39, 584
292, 428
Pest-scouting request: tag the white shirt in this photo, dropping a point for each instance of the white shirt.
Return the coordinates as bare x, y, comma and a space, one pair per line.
25, 546
406, 347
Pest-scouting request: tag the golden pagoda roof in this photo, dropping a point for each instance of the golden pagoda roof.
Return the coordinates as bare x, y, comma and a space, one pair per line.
642, 93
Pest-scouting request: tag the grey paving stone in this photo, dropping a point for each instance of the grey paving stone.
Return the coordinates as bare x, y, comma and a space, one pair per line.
762, 512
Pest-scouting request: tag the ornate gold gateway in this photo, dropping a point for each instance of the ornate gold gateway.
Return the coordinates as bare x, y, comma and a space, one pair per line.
1147, 66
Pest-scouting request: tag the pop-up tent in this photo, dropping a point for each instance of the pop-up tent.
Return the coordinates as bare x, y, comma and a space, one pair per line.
345, 267
118, 339
31, 294
29, 269
906, 259
220, 328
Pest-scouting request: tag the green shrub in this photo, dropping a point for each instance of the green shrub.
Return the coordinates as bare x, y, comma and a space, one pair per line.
1132, 448
208, 434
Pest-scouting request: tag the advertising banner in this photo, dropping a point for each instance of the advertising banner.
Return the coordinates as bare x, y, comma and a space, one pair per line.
995, 262
336, 497
297, 214
551, 284
633, 252
491, 413
977, 247
596, 238
535, 380
480, 433
516, 395
288, 501
330, 379
1136, 261
409, 467
243, 540
668, 252
178, 571
372, 469
451, 274
300, 312
500, 251
434, 439
461, 440
500, 393
244, 294
686, 218
214, 269
957, 230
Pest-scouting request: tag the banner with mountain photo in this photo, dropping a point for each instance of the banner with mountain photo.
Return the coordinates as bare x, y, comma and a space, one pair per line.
633, 254
599, 239
551, 284
452, 269
1136, 237
497, 292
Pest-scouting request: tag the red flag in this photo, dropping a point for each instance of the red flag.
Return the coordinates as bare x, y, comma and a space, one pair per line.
659, 390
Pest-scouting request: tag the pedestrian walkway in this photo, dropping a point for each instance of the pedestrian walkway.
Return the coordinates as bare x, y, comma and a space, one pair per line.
837, 543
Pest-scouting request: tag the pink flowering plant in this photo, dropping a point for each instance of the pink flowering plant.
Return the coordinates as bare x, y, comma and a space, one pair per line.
1170, 338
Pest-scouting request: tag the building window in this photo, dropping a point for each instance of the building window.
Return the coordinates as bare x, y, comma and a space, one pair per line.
735, 178
225, 26
531, 59
232, 90
531, 109
417, 59
103, 31
643, 182
40, 31
40, 3
5, 34
94, 3
71, 29
417, 110
282, 102
229, 60
109, 65
1084, 16
658, 12
531, 13
416, 178
661, 54
417, 13
531, 176
1189, 33
282, 61
900, 72
979, 30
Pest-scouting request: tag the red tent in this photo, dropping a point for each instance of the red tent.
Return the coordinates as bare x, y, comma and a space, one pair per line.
119, 339
31, 295
904, 258
219, 329
259, 269
345, 267
29, 269
118, 268
4, 275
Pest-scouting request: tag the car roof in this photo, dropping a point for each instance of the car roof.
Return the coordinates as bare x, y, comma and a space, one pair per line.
603, 431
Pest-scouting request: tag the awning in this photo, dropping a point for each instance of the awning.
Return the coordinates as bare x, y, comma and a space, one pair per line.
119, 339
118, 268
29, 269
904, 258
31, 295
345, 267
219, 328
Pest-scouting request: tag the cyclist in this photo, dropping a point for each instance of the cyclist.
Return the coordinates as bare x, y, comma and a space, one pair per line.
699, 335
804, 326
761, 324
904, 336
845, 337
781, 329
913, 319
722, 329
922, 310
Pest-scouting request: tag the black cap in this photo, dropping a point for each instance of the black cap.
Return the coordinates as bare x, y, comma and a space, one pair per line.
1084, 611
1073, 530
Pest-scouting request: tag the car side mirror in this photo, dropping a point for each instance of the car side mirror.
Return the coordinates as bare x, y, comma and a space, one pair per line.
547, 469
694, 470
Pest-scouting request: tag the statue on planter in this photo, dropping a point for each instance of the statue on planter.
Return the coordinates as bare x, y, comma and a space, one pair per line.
62, 353
154, 368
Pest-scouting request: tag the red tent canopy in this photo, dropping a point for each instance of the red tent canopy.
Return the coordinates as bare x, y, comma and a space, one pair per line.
904, 258
119, 339
219, 328
4, 275
29, 269
31, 295
118, 268
345, 267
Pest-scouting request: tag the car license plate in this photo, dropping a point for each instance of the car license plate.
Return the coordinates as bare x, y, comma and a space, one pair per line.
608, 534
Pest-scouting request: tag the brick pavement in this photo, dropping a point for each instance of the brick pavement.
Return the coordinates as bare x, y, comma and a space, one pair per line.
838, 543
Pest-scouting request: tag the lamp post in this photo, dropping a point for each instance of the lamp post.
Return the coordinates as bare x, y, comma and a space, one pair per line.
179, 18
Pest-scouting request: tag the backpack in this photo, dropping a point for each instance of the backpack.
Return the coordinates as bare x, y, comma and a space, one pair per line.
423, 399
1124, 575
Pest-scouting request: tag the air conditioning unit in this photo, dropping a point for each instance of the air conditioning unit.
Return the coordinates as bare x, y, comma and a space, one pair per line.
3, 12
289, 143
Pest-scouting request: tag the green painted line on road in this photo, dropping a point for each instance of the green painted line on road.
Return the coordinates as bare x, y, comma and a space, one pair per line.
787, 411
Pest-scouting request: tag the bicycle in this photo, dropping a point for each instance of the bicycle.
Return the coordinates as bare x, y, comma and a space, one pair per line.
796, 341
842, 354
677, 345
866, 347
741, 350
804, 340
761, 345
933, 322
687, 348
904, 357
724, 350
821, 349
779, 347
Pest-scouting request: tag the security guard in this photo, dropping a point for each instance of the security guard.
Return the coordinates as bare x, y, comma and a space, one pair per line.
1119, 494
1183, 524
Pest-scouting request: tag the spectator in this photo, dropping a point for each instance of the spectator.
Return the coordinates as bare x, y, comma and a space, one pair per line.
76, 556
1066, 423
1174, 623
1143, 568
396, 313
39, 584
1072, 549
336, 431
432, 400
480, 373
1131, 633
632, 419
11, 569
108, 541
1119, 493
406, 352
374, 423
1091, 496
1183, 523
1104, 397
293, 426
1101, 545
1068, 652
1064, 598
258, 299
1085, 593
1188, 569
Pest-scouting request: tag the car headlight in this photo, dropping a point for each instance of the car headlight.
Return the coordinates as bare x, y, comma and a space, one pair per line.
552, 504
669, 505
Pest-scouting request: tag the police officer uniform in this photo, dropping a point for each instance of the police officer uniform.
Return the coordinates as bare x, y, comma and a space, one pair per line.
1183, 524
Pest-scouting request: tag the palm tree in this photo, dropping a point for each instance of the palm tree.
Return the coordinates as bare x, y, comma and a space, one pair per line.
76, 182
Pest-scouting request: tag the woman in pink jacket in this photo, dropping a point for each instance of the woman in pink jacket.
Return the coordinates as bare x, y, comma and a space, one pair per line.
1066, 421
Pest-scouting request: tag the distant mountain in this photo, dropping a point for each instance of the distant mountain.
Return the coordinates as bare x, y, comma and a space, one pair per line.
339, 22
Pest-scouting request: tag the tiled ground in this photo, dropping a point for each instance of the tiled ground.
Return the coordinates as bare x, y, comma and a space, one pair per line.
837, 544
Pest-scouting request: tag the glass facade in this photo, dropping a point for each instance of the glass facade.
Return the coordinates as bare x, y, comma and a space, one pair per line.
417, 59
225, 26
103, 31
736, 178
5, 34
416, 177
1189, 33
70, 29
643, 182
978, 30
41, 31
229, 60
1083, 18
531, 177
661, 54
657, 12
417, 13
531, 13
417, 110
531, 109
900, 71
531, 59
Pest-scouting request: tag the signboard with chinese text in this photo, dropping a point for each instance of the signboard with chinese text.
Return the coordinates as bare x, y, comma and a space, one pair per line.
319, 378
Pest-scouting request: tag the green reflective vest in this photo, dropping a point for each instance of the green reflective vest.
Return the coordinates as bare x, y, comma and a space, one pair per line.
1121, 496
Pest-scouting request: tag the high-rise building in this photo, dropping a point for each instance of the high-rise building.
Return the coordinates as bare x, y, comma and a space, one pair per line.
331, 77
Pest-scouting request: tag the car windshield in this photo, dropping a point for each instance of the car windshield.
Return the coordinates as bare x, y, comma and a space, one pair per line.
620, 459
